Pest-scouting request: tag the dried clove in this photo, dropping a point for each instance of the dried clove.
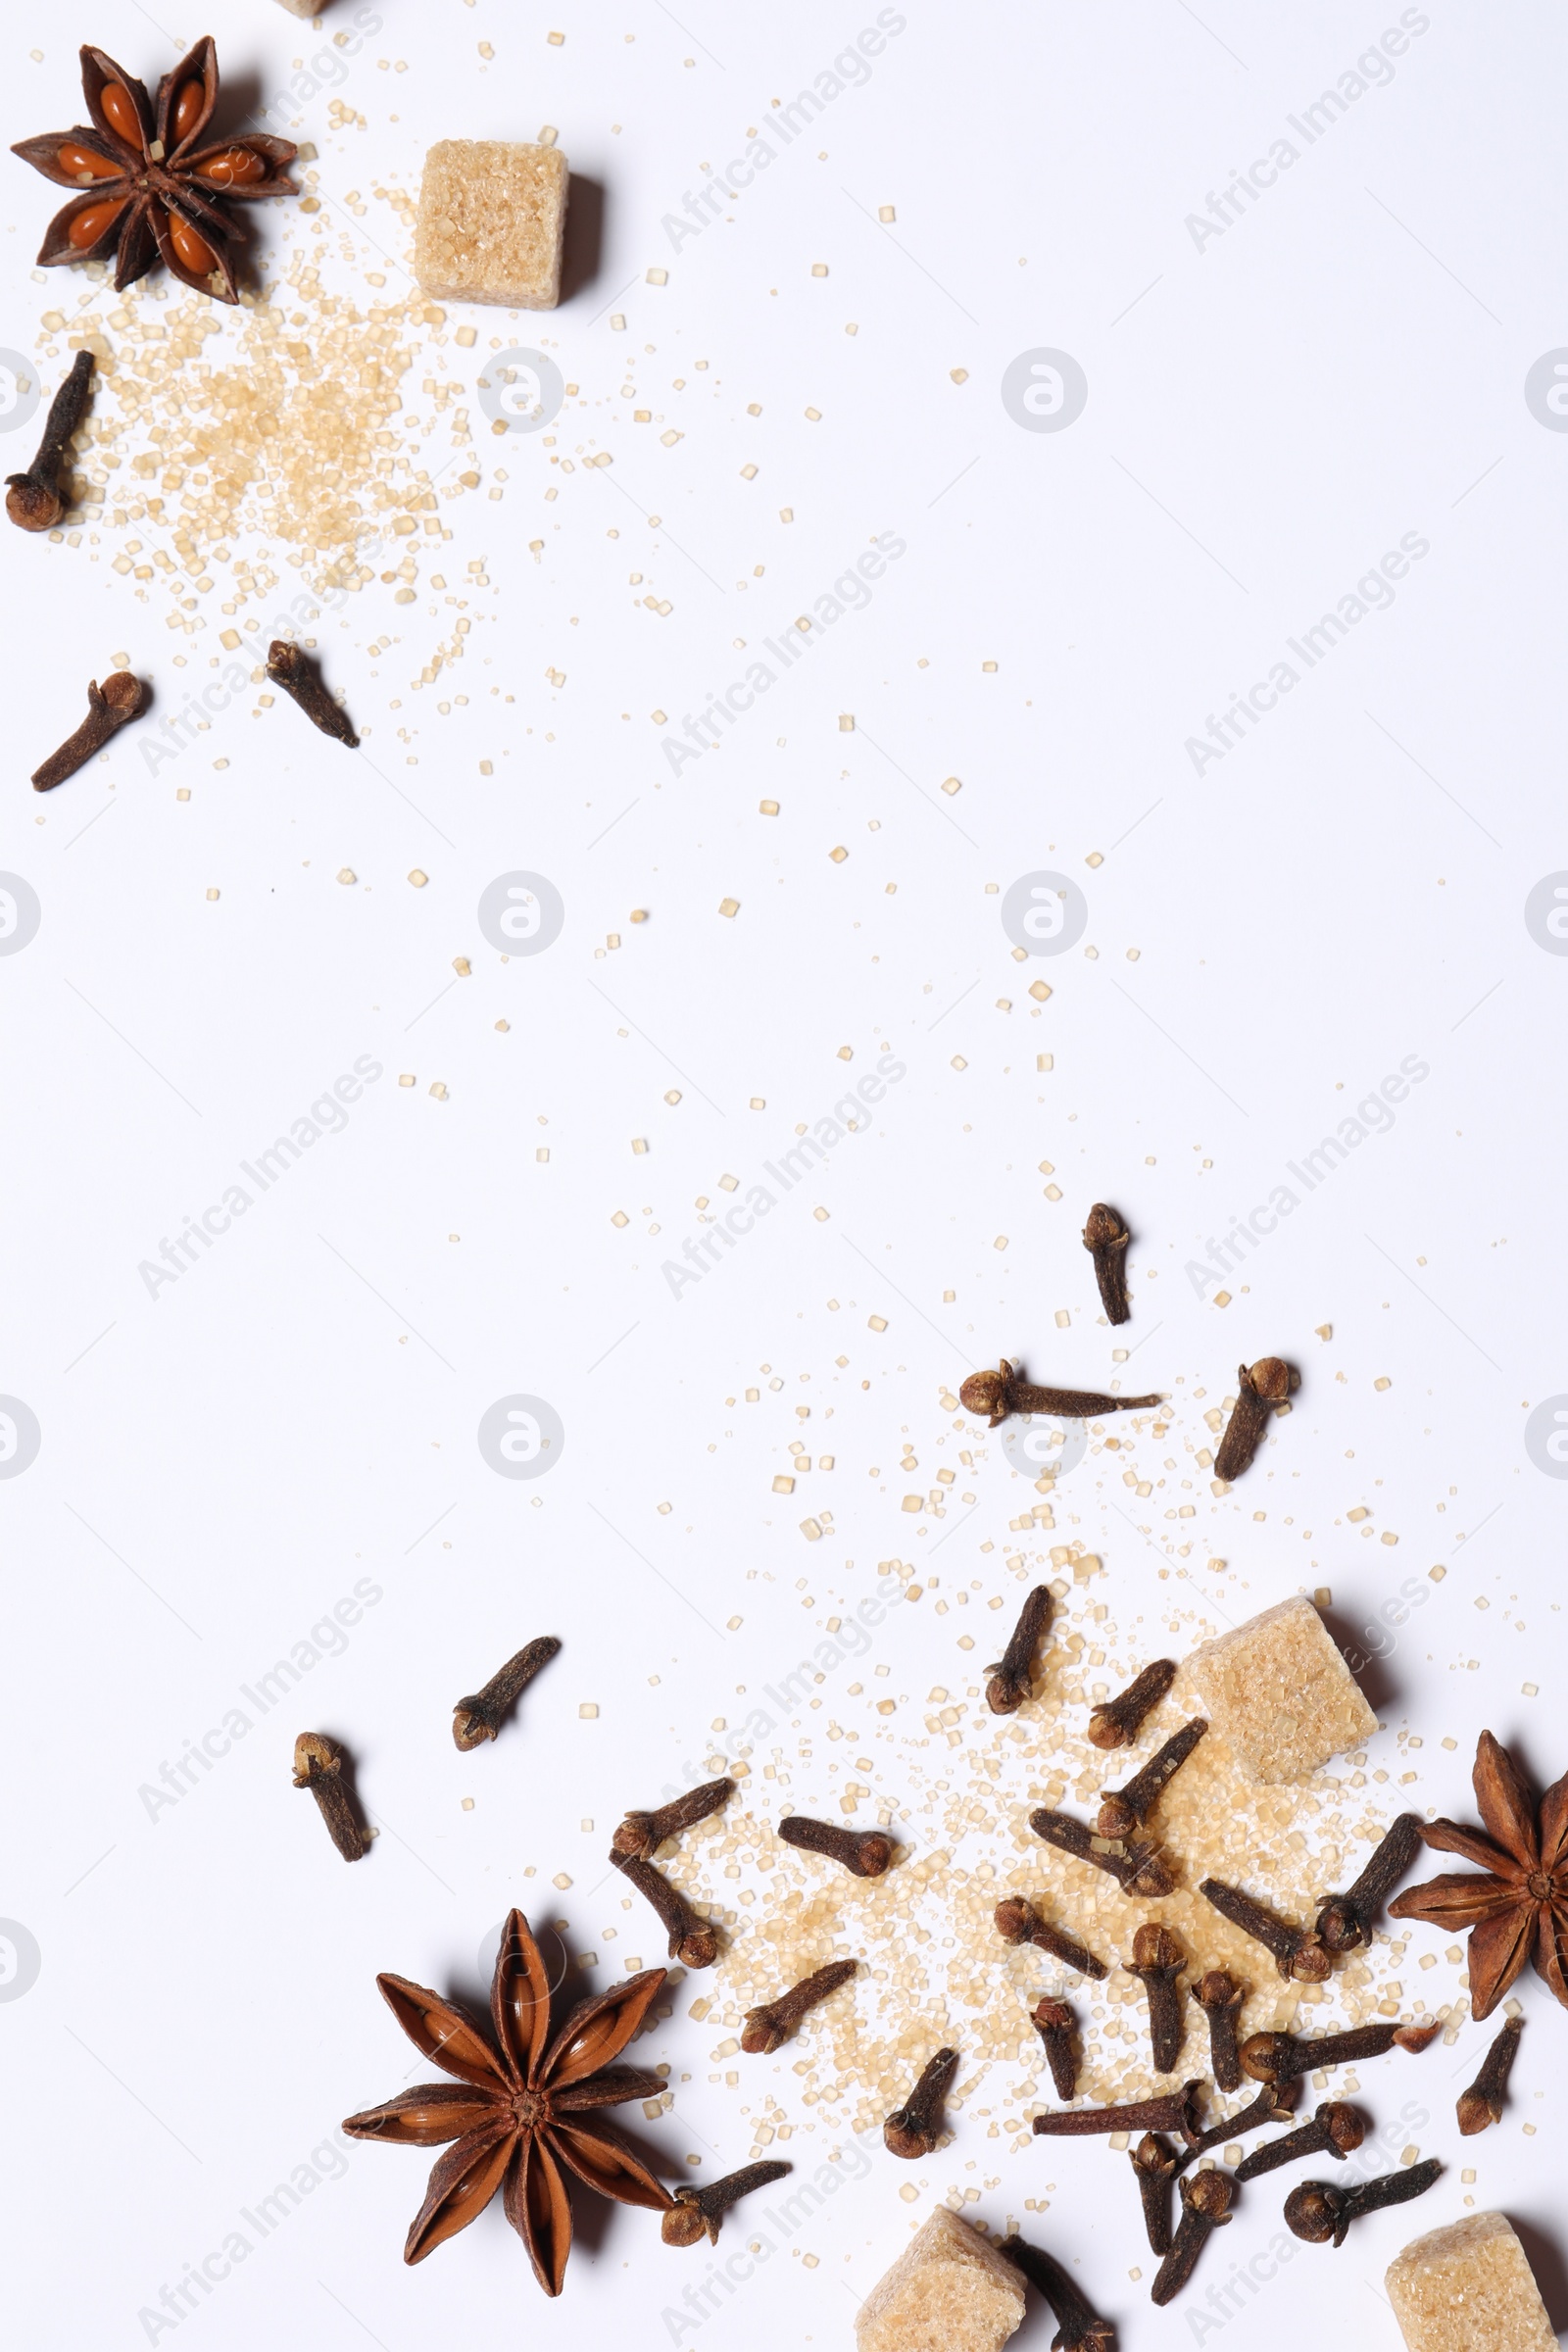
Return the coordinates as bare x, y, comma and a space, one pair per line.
866, 1852
119, 697
645, 1833
1205, 2206
1317, 2211
1157, 1961
1141, 1869
1335, 2129
1054, 2022
1153, 2162
1005, 1391
697, 2212
1346, 1920
1019, 1921
914, 2130
480, 1717
1274, 2104
1258, 1390
1220, 1998
771, 2024
1116, 1721
1079, 2327
33, 499
318, 1767
287, 667
1127, 1809
1010, 1681
1106, 1237
1297, 1951
1173, 2111
693, 1940
1276, 2057
1482, 2103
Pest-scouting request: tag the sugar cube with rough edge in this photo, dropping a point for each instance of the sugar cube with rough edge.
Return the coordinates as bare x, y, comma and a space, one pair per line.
1279, 1692
1469, 2288
949, 2291
492, 217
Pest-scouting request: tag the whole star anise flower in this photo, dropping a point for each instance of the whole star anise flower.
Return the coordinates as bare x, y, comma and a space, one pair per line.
523, 2105
144, 183
1518, 1911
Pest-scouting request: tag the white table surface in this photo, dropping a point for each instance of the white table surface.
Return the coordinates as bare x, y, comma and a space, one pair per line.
1269, 411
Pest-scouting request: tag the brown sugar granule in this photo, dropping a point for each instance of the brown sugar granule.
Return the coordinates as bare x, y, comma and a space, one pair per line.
492, 219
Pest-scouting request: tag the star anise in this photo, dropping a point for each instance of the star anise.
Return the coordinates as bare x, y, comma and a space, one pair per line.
1518, 1911
523, 2105
145, 184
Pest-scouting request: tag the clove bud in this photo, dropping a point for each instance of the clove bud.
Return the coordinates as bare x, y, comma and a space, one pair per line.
480, 1716
769, 2025
1153, 2162
1003, 1391
1205, 2206
1052, 2021
1106, 1237
287, 667
1010, 1681
1258, 1390
1482, 2103
1157, 1961
1335, 2129
119, 697
914, 2130
1346, 1920
1317, 2211
1297, 1951
1019, 1921
1139, 1869
1116, 1721
866, 1852
318, 1767
645, 1833
693, 1940
1124, 1810
33, 499
1277, 2057
700, 2211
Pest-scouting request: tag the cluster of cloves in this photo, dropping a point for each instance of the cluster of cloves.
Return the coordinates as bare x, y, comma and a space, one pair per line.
1261, 1387
320, 1761
693, 1940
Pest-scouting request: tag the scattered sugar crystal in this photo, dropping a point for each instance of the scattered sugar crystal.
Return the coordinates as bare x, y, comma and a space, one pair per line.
1466, 2286
949, 2291
1279, 1692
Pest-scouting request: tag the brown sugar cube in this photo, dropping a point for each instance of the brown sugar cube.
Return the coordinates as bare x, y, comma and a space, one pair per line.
492, 215
1279, 1692
949, 2291
1469, 2288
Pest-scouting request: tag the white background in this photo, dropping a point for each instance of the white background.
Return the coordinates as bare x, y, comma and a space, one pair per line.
1266, 416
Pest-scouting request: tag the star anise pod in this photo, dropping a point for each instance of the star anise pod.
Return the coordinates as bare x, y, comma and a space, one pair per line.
523, 2106
1518, 1911
145, 184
